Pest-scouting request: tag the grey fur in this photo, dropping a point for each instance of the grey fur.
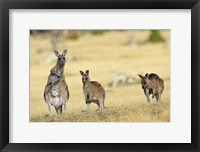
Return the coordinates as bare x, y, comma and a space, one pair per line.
56, 90
93, 91
152, 84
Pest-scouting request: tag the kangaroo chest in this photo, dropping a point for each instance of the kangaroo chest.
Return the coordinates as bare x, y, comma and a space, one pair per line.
58, 89
55, 91
89, 94
87, 89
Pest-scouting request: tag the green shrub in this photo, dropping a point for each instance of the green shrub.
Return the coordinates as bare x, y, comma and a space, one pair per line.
155, 37
97, 32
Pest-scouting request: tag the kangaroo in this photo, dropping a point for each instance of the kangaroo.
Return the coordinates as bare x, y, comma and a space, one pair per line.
152, 84
93, 91
56, 91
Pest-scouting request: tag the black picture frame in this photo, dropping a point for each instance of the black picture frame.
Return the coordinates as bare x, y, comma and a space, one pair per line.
5, 5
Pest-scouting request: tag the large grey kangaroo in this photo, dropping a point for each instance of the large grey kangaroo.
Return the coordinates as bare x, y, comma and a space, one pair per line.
56, 90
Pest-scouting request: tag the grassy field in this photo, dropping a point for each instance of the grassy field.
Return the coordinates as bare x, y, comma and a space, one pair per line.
104, 55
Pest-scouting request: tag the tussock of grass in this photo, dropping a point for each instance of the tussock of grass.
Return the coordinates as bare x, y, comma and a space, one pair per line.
144, 112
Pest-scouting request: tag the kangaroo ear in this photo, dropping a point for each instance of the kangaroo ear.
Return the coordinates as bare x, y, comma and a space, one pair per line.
64, 53
81, 72
146, 75
56, 53
140, 76
87, 72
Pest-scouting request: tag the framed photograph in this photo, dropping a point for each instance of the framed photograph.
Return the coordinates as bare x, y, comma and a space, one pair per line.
94, 75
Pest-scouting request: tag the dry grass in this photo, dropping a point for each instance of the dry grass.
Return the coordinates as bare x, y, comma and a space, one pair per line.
104, 56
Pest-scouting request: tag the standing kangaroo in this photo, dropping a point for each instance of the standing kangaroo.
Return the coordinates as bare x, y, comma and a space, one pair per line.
152, 84
93, 91
56, 90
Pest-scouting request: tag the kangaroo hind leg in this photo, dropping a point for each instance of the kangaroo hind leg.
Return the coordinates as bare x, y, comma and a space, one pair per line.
101, 103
